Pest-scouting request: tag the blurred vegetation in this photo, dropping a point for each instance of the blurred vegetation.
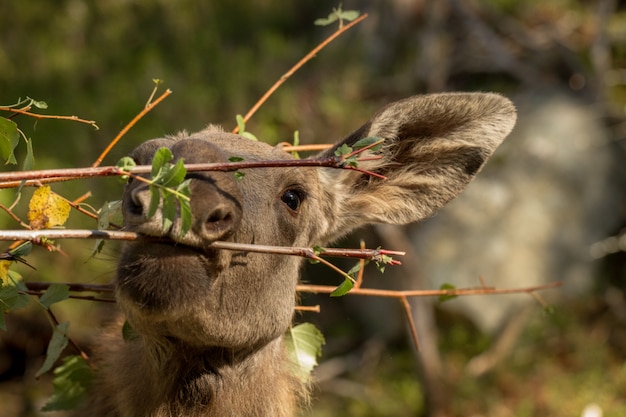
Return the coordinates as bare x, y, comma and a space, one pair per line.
97, 60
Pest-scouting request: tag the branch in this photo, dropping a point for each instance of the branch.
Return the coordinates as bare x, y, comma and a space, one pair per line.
311, 253
296, 67
373, 292
42, 286
37, 177
149, 106
48, 116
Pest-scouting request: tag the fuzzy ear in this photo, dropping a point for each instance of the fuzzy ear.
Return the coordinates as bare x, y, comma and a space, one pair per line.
434, 145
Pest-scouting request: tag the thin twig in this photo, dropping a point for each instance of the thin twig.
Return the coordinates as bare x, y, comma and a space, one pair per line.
374, 292
48, 116
409, 317
14, 216
130, 124
75, 204
75, 297
77, 287
296, 67
315, 147
310, 309
359, 278
81, 352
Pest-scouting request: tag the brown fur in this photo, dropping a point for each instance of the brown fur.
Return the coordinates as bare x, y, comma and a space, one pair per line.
209, 323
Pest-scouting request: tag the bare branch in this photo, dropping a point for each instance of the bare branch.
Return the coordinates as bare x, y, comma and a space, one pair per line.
42, 286
149, 106
373, 292
296, 67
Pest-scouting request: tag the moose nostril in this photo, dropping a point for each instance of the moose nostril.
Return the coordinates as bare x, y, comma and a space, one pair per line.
219, 223
136, 203
135, 208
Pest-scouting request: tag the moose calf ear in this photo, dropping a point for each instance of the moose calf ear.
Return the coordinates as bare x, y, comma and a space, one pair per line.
433, 146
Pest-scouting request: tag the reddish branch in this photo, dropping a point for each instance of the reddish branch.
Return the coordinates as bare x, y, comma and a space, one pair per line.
363, 254
30, 178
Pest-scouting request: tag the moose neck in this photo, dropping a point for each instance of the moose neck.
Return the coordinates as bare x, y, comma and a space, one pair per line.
164, 378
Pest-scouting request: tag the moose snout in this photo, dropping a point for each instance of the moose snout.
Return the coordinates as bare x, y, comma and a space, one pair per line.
215, 208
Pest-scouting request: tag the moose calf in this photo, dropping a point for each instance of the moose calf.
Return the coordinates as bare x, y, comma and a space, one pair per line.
209, 322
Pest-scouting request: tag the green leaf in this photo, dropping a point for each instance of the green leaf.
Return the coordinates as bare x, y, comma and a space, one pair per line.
10, 299
349, 15
447, 297
161, 157
9, 138
186, 216
22, 250
241, 124
354, 270
304, 344
343, 150
110, 212
168, 211
383, 262
126, 163
338, 14
326, 21
71, 382
296, 142
97, 248
155, 198
364, 142
29, 160
239, 175
235, 159
58, 342
39, 104
54, 294
317, 250
175, 175
352, 161
249, 135
343, 288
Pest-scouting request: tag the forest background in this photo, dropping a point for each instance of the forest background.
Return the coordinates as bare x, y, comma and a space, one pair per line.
97, 60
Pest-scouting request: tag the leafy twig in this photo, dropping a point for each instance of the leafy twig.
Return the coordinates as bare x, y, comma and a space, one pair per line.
48, 116
36, 235
30, 178
81, 352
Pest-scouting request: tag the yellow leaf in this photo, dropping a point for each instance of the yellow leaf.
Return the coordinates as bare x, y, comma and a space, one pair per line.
46, 209
4, 271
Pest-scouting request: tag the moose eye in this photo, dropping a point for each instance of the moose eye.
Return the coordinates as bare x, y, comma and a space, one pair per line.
292, 199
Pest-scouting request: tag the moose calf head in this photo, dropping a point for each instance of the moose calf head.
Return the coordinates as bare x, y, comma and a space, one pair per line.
179, 288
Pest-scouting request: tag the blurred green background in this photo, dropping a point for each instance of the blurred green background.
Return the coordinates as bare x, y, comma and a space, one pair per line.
97, 60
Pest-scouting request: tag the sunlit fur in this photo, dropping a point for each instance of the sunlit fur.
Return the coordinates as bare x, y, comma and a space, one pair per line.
209, 323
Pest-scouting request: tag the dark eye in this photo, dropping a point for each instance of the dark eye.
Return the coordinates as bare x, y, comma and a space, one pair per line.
292, 198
